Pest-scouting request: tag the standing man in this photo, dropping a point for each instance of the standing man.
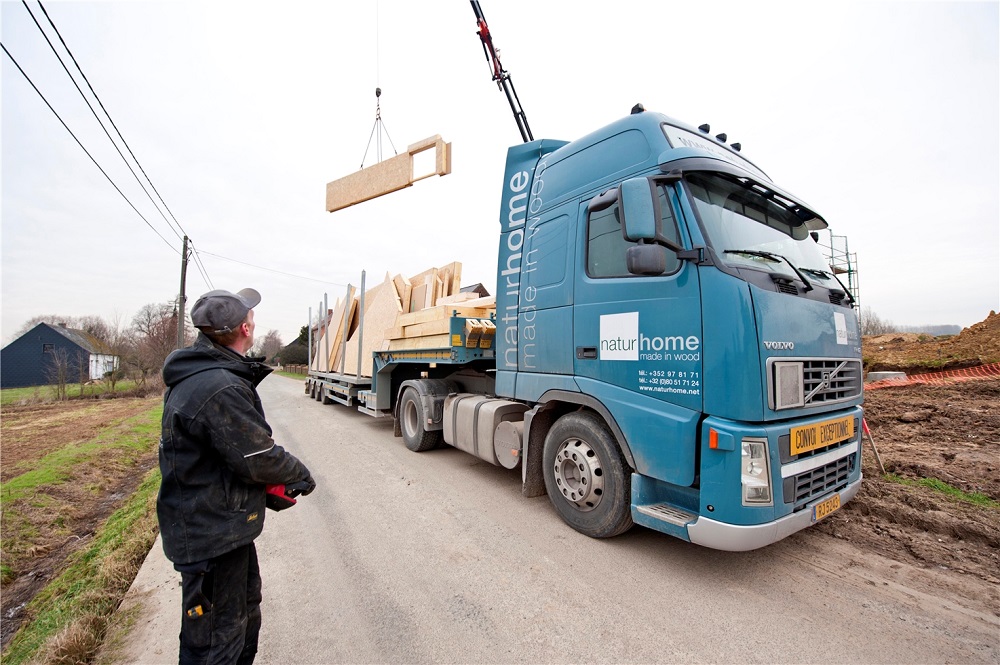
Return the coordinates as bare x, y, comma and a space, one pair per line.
216, 458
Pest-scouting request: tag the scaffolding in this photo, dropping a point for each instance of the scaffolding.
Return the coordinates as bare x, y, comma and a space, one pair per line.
843, 263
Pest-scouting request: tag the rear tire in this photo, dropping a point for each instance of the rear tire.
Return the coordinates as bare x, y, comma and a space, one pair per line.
411, 422
586, 477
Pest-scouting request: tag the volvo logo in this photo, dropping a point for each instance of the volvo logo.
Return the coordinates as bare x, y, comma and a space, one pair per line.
779, 346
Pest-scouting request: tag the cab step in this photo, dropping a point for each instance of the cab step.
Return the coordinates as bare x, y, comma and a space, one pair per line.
667, 513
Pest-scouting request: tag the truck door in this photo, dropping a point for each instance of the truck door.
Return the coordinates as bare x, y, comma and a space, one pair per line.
639, 340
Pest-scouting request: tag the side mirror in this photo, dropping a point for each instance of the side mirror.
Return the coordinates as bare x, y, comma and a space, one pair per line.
646, 259
639, 215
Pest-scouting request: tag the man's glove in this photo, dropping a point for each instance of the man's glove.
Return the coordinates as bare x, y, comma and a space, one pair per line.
302, 487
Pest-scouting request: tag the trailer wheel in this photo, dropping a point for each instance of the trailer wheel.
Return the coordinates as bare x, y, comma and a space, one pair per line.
586, 478
411, 422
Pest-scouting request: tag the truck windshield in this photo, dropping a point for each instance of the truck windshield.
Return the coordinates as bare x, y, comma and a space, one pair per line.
750, 226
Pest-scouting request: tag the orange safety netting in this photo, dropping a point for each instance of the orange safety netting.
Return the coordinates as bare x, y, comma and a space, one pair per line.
951, 376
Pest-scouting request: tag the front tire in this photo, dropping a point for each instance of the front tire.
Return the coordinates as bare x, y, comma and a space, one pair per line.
411, 421
586, 478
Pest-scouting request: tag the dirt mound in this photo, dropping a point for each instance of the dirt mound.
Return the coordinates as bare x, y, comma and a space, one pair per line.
938, 506
912, 353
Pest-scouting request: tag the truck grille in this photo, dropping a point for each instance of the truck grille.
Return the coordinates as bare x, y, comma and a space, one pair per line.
812, 382
821, 385
817, 482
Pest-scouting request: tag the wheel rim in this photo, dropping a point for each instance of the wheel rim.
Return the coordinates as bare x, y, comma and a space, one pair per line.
579, 474
410, 423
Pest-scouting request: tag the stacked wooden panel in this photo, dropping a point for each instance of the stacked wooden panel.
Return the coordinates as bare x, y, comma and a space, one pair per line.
402, 313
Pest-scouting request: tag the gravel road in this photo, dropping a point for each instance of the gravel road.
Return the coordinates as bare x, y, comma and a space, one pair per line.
436, 557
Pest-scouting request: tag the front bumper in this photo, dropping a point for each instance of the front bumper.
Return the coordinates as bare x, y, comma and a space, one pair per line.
737, 538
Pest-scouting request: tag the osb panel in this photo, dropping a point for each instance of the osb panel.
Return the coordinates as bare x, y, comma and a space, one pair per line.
320, 360
418, 295
382, 307
431, 342
403, 288
453, 284
337, 326
390, 175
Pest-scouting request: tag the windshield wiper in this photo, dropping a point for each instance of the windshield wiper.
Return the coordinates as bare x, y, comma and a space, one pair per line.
774, 257
819, 273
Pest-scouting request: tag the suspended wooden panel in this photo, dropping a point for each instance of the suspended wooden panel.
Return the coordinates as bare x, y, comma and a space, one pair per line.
387, 176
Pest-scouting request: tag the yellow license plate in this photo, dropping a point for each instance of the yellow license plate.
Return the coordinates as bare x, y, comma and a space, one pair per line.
810, 437
824, 508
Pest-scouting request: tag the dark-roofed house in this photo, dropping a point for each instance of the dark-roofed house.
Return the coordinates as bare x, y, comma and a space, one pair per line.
28, 360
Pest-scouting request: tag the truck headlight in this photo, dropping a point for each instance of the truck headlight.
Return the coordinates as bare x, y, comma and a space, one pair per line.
755, 473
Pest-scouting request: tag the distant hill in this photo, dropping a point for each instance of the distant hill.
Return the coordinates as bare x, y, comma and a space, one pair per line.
934, 331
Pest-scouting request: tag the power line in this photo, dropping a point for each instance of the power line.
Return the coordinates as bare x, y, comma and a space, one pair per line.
311, 279
94, 112
32, 83
201, 267
110, 119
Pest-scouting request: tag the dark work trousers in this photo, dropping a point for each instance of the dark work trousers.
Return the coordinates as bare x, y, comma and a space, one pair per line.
221, 608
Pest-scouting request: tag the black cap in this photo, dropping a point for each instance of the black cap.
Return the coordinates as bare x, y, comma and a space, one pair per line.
221, 312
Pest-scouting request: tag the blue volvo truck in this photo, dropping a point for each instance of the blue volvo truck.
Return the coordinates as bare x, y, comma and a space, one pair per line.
671, 347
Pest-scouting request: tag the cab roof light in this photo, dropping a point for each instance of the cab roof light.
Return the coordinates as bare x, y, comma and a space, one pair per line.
721, 138
736, 147
704, 128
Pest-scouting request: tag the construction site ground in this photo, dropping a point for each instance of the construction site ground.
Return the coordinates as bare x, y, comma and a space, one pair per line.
936, 508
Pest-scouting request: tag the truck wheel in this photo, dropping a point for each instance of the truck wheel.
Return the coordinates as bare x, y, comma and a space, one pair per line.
411, 422
585, 476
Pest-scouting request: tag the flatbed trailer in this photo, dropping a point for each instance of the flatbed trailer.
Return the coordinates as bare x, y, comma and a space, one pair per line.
330, 387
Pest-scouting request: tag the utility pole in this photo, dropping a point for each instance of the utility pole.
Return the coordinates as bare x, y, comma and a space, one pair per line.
182, 299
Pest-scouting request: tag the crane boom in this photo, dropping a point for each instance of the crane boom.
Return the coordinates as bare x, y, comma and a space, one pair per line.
501, 75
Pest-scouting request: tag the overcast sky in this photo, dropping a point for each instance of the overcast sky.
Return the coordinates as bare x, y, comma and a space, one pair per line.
885, 117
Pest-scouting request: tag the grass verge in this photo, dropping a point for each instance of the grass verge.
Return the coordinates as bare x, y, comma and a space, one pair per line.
39, 394
975, 498
70, 616
119, 446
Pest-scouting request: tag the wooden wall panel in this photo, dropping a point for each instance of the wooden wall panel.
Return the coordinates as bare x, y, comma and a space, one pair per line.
382, 308
390, 175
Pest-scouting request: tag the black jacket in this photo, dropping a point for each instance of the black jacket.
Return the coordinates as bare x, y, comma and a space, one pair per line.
216, 453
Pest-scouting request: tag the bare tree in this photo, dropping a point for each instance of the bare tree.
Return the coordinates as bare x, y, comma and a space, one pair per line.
155, 335
268, 346
51, 319
95, 326
57, 371
83, 370
120, 341
872, 324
